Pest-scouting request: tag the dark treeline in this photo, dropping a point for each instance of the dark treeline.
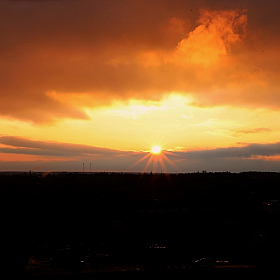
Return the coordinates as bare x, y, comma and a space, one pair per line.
190, 215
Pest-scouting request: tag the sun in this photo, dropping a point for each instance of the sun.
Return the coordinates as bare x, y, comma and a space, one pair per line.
155, 159
156, 149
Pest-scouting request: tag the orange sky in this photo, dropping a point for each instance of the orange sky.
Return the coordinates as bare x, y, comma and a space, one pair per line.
114, 78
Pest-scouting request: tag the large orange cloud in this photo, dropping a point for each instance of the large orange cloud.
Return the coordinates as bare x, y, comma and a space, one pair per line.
53, 52
213, 38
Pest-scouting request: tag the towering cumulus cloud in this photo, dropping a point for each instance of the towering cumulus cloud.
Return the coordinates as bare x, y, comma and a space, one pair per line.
214, 36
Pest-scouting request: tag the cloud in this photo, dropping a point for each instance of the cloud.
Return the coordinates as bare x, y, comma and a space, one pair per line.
213, 38
56, 156
19, 145
247, 151
58, 57
250, 157
250, 131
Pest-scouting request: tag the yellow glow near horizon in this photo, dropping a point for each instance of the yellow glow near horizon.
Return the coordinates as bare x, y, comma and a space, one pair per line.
156, 149
192, 127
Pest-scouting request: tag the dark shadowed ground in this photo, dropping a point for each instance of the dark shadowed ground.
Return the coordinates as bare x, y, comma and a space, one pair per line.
74, 226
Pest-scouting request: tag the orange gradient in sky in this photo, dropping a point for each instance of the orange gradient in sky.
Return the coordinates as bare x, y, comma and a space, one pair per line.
173, 122
147, 74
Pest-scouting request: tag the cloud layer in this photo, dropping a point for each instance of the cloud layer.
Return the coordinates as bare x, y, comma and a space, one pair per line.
57, 156
58, 57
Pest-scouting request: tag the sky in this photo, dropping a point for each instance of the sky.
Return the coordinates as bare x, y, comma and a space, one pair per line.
93, 85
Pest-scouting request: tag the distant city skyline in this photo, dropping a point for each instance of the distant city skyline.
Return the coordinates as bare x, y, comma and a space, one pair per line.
101, 83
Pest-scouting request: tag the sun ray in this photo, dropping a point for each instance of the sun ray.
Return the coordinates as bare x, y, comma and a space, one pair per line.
164, 157
148, 163
157, 159
140, 160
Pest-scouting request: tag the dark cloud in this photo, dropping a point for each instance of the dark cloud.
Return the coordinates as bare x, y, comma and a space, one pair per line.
122, 49
19, 145
248, 151
252, 157
262, 157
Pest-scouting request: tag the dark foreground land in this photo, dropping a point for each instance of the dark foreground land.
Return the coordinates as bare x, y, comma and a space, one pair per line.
76, 226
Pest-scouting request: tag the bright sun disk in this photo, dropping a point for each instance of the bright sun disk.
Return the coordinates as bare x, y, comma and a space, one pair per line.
156, 149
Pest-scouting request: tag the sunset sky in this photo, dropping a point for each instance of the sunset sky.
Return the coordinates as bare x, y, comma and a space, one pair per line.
100, 82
